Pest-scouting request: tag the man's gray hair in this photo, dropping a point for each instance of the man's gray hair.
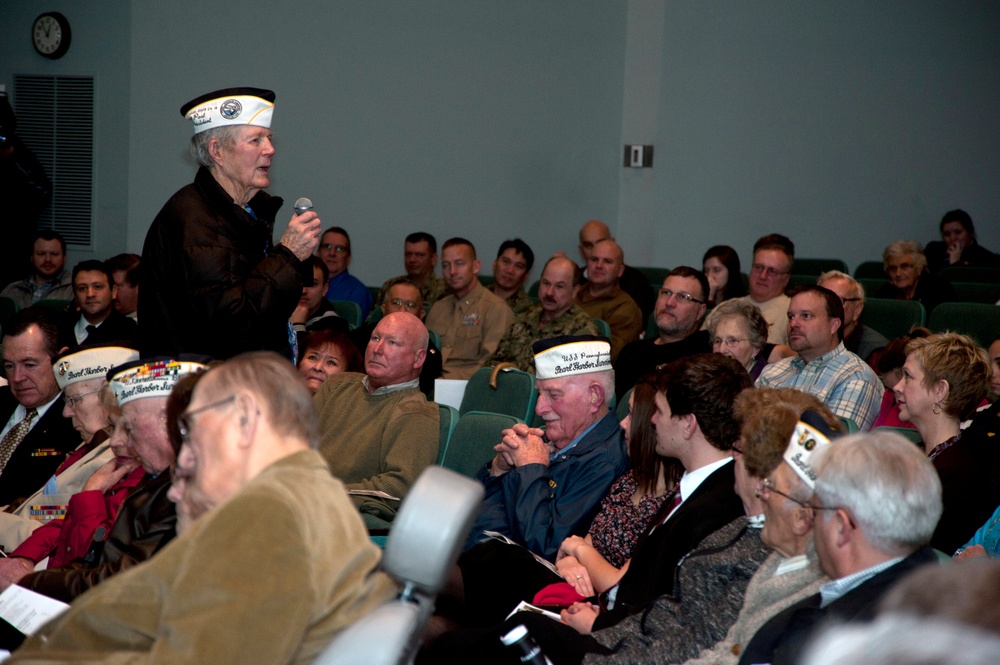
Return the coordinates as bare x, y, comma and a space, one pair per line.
887, 484
275, 382
856, 287
226, 136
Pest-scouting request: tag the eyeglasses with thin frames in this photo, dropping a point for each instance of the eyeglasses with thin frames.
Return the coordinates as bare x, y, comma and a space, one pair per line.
728, 342
767, 271
77, 399
339, 249
185, 420
681, 295
399, 302
767, 487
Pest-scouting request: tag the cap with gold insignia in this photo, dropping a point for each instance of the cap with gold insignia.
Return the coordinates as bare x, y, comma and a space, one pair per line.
92, 363
230, 106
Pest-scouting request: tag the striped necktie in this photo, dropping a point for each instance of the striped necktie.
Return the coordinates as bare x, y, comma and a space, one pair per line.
14, 437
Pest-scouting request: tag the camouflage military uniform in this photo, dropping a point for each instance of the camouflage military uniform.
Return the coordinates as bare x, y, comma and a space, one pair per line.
515, 346
519, 303
432, 289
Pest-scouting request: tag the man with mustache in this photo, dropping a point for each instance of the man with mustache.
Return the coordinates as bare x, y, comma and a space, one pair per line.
557, 314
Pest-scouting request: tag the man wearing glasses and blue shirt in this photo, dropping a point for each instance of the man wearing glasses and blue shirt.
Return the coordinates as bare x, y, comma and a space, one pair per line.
679, 311
335, 251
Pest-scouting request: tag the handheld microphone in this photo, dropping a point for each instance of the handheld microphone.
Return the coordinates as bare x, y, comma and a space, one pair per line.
302, 205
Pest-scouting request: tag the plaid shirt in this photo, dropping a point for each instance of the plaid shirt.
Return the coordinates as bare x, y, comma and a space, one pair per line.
838, 378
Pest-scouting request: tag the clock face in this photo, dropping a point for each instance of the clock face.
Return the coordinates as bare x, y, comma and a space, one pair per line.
50, 35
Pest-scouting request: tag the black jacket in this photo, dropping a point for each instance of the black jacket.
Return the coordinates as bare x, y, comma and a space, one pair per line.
145, 523
782, 638
652, 570
36, 458
213, 283
117, 328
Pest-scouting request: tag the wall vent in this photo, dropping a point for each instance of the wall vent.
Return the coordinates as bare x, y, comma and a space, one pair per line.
55, 118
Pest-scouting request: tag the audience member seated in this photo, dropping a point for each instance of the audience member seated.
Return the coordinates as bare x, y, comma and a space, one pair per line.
890, 369
470, 320
680, 308
404, 296
146, 518
377, 430
694, 423
80, 376
335, 251
99, 322
738, 329
625, 511
324, 353
994, 353
823, 367
251, 432
985, 542
721, 264
958, 245
544, 486
510, 270
859, 339
771, 422
773, 256
945, 376
420, 257
35, 437
556, 315
602, 298
876, 502
314, 312
48, 279
632, 281
906, 267
126, 270
94, 507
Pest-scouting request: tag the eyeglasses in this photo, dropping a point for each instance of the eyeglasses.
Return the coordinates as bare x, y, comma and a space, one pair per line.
681, 295
901, 266
74, 402
767, 487
728, 342
850, 518
184, 421
847, 300
339, 249
767, 271
399, 302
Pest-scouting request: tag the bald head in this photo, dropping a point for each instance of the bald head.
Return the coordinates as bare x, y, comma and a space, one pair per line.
396, 351
591, 233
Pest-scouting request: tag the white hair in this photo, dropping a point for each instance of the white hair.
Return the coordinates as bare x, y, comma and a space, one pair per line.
886, 483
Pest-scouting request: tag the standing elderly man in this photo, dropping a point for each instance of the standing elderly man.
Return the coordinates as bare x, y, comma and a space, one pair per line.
680, 309
377, 430
543, 486
859, 339
823, 367
213, 281
876, 501
146, 519
557, 314
250, 435
770, 271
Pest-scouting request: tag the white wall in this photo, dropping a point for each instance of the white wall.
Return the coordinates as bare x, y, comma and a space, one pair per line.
845, 125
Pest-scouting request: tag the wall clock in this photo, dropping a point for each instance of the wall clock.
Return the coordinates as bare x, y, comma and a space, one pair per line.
50, 35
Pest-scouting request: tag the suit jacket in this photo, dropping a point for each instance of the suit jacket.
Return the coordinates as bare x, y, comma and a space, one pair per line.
44, 448
782, 639
116, 328
656, 556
